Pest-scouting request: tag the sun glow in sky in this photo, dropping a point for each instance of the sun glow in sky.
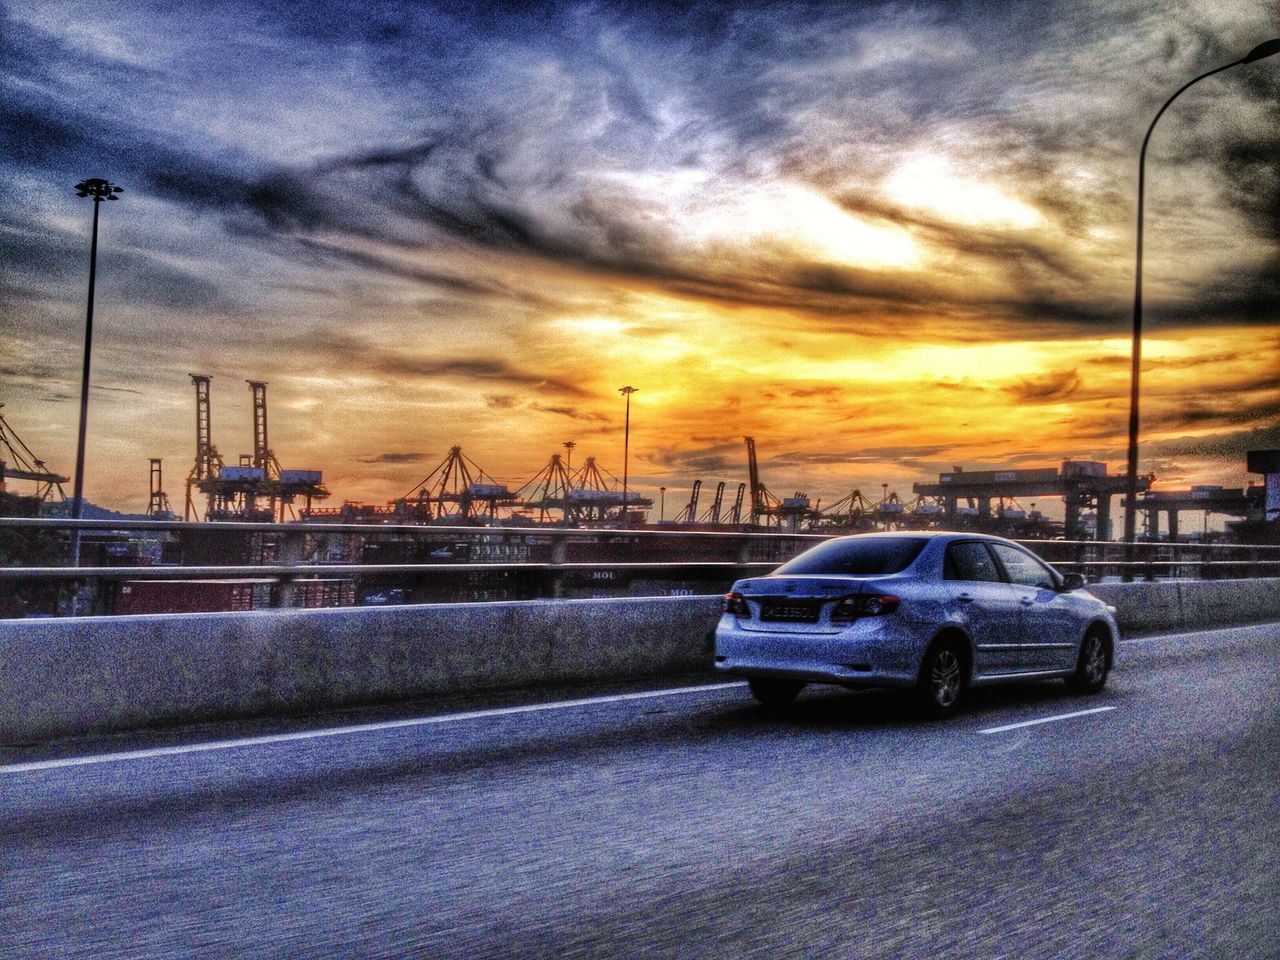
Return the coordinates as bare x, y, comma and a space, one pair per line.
929, 183
426, 225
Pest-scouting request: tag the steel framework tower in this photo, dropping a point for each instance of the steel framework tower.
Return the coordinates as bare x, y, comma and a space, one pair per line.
690, 512
714, 513
208, 461
158, 507
757, 490
263, 456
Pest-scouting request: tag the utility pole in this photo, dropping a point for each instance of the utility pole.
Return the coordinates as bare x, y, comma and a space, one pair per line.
626, 444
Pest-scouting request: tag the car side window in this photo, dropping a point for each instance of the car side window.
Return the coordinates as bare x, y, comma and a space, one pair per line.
1024, 569
970, 560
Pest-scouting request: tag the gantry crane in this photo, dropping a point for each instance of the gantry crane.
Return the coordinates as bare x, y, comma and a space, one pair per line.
549, 490
208, 465
690, 512
458, 480
735, 517
158, 506
30, 467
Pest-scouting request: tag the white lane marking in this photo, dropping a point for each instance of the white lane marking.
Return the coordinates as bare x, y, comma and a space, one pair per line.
1211, 631
1032, 723
358, 728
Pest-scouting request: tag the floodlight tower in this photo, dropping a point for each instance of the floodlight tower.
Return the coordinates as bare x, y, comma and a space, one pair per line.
99, 190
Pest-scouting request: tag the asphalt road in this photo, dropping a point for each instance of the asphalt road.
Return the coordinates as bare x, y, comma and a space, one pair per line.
689, 824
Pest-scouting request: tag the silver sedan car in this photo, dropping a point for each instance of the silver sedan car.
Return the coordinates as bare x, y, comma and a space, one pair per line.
937, 612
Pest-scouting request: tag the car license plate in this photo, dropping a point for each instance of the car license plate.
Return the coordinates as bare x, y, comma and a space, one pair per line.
792, 612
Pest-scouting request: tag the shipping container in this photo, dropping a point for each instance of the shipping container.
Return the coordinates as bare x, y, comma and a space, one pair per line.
324, 593
1084, 468
245, 474
970, 478
488, 490
192, 596
311, 477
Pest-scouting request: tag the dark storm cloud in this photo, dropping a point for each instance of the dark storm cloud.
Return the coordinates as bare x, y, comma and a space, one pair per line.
1232, 445
141, 278
388, 267
707, 459
900, 455
394, 458
1051, 389
573, 413
344, 352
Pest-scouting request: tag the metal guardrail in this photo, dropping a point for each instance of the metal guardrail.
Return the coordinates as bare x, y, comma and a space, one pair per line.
540, 561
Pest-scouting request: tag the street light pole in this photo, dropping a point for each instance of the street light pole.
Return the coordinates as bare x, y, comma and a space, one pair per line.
626, 446
99, 190
1267, 49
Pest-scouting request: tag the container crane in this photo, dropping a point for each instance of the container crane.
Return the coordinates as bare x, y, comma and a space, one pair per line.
735, 516
30, 467
714, 513
690, 513
208, 465
158, 506
596, 497
461, 481
549, 490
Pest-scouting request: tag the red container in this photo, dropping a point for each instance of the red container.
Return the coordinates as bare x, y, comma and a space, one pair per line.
192, 596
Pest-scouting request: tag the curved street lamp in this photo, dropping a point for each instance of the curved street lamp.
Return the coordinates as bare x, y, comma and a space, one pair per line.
1267, 49
99, 190
626, 444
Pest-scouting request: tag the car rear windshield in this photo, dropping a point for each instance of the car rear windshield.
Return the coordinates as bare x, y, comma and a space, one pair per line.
857, 557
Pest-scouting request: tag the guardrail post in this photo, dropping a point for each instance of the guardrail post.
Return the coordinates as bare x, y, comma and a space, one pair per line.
559, 550
292, 552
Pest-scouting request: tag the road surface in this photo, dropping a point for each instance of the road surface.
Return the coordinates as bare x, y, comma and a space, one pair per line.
685, 823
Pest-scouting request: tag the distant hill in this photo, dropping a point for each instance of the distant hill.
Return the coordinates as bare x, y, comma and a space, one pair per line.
91, 512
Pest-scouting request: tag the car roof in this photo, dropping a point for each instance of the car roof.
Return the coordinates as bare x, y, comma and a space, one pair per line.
925, 535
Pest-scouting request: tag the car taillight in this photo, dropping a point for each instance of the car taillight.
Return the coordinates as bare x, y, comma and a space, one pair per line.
863, 605
736, 604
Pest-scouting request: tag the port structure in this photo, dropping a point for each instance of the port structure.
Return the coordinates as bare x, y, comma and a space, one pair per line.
591, 496
208, 463
1256, 507
158, 506
29, 466
770, 512
458, 490
255, 489
1082, 484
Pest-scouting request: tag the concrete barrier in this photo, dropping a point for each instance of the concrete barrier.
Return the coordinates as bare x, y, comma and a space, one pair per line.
71, 676
1178, 604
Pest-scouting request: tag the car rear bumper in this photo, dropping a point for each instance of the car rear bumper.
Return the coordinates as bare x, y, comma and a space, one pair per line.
872, 652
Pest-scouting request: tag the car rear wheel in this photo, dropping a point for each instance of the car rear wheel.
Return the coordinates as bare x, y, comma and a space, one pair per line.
1092, 667
942, 678
773, 692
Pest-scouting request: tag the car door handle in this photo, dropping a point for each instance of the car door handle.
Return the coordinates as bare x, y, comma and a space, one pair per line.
1027, 601
966, 598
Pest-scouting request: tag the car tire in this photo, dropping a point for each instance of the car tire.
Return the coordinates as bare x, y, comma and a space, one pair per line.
773, 692
1093, 665
942, 680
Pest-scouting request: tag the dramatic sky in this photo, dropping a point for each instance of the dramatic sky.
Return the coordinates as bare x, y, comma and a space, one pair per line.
883, 238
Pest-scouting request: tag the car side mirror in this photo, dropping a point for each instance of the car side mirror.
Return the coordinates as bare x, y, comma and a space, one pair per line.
1072, 581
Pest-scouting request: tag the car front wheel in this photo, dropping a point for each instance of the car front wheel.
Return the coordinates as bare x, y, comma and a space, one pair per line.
773, 692
1092, 667
941, 680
